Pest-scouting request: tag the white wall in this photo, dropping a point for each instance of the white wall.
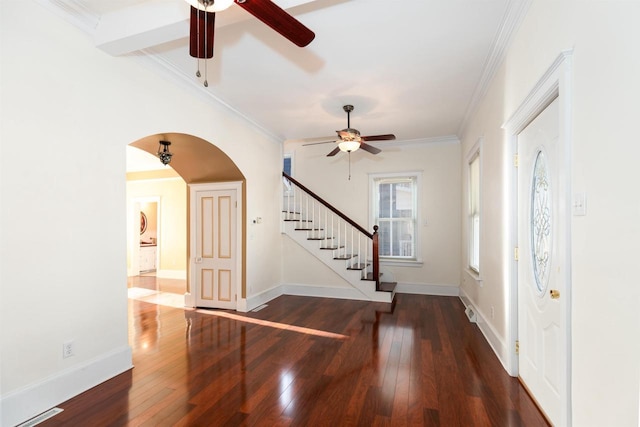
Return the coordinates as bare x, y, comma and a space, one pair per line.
440, 202
606, 242
68, 112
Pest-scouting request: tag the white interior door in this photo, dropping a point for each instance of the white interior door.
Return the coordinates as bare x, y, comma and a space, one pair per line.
543, 264
215, 255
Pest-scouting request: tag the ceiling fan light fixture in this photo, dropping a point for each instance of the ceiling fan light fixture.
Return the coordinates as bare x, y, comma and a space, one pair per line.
211, 5
348, 146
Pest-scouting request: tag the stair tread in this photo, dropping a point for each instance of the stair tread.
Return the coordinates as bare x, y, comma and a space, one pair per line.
331, 248
387, 286
297, 220
357, 267
345, 256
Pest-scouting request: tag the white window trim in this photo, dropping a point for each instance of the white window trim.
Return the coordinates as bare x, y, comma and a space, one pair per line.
390, 261
472, 154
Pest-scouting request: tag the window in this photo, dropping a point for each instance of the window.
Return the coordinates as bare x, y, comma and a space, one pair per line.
395, 211
287, 167
474, 212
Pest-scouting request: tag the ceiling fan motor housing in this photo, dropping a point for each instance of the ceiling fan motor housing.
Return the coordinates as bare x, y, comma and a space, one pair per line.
349, 134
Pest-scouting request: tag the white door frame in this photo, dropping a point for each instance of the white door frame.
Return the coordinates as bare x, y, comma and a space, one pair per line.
189, 296
556, 82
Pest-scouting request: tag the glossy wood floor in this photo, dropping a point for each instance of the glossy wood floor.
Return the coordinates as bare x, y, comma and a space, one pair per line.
307, 362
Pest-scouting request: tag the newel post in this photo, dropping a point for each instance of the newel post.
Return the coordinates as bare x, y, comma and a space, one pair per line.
376, 258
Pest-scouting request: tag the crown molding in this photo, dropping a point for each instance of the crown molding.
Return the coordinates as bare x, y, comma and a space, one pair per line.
448, 139
513, 16
74, 12
189, 82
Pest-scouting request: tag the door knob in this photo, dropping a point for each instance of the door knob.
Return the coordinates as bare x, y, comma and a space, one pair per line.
555, 294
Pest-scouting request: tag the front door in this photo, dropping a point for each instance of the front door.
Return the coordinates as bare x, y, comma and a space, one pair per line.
215, 255
543, 264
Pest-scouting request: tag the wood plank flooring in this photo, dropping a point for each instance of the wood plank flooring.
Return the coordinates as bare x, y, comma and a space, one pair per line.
305, 361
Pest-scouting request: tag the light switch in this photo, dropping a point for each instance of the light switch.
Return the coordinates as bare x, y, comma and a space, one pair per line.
579, 204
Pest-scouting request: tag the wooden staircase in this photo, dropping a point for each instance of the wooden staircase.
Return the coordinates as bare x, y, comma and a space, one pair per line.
336, 240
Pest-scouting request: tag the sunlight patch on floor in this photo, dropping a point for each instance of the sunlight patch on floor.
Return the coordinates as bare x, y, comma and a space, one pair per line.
167, 299
177, 301
277, 325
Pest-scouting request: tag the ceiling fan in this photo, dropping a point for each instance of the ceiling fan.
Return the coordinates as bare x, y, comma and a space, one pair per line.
350, 139
203, 15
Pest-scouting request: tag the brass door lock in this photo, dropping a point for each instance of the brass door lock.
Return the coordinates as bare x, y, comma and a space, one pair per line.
555, 294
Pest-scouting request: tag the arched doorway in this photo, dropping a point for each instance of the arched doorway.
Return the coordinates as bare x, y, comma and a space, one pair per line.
198, 161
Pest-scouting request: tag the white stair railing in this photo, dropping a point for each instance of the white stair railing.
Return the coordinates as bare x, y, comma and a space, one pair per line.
333, 230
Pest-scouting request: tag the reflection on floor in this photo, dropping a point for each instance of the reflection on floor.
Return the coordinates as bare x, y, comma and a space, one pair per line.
157, 297
157, 290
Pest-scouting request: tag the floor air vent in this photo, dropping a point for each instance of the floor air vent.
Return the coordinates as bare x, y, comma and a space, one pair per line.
40, 418
471, 314
260, 307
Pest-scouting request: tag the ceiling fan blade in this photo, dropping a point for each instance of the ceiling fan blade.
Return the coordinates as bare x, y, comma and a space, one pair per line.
334, 152
312, 141
275, 17
378, 137
370, 148
201, 30
318, 143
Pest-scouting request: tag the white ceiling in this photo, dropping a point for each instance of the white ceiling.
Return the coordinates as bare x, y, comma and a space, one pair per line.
415, 68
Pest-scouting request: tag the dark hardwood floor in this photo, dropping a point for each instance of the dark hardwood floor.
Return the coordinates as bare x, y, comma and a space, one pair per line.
307, 362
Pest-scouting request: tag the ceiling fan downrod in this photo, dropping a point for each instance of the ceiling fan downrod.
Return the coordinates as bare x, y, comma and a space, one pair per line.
348, 109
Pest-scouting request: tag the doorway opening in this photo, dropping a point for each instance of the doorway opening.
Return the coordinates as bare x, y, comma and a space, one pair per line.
542, 125
194, 161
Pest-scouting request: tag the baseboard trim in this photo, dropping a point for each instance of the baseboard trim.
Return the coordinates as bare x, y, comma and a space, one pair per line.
344, 292
427, 289
263, 297
322, 291
496, 343
27, 402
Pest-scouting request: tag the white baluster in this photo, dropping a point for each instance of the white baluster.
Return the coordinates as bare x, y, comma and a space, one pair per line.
339, 228
326, 212
289, 204
332, 231
359, 259
353, 247
366, 256
306, 210
346, 237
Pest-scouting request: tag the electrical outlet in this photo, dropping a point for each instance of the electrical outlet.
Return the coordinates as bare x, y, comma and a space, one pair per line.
67, 349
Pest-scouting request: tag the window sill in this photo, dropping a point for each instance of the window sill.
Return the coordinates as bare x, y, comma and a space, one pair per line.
401, 262
474, 275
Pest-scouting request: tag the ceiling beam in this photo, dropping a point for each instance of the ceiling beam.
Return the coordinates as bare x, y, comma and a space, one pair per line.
142, 26
156, 22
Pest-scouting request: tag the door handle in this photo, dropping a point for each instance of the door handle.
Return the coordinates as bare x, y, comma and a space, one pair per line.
199, 260
555, 294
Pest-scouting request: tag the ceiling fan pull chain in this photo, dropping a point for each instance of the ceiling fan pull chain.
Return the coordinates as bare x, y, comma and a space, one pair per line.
206, 84
349, 165
198, 43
